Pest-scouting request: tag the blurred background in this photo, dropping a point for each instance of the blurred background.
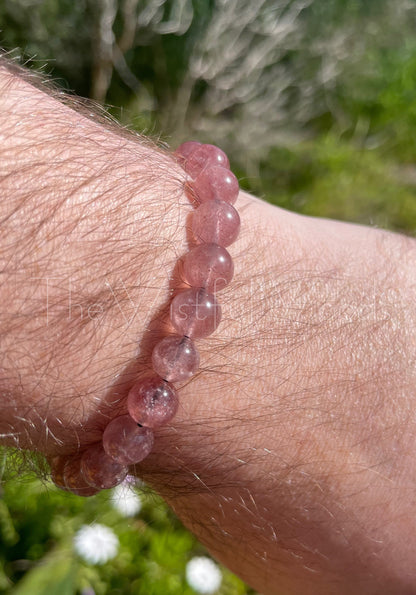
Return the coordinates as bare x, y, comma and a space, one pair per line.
315, 103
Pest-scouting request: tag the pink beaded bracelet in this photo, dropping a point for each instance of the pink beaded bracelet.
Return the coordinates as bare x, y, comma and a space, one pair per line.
194, 313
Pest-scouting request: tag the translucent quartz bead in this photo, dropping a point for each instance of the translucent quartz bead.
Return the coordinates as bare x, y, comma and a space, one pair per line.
209, 266
57, 471
215, 183
175, 358
195, 313
126, 442
152, 402
216, 222
74, 480
99, 470
185, 149
204, 156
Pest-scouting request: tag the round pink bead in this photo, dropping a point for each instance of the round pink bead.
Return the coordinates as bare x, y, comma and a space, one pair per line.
74, 480
57, 471
209, 266
185, 149
175, 358
216, 222
204, 156
125, 442
195, 313
99, 470
152, 402
215, 183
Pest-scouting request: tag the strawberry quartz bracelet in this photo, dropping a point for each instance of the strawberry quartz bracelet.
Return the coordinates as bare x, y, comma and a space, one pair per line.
194, 313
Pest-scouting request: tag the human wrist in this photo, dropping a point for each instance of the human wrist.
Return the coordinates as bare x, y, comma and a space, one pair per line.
288, 385
299, 425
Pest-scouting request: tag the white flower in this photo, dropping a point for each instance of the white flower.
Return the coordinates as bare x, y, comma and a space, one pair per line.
96, 543
203, 575
125, 500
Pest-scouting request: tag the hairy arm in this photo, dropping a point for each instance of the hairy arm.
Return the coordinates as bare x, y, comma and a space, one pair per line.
88, 221
291, 456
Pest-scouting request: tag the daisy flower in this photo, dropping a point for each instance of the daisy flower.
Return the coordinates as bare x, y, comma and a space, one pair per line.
203, 575
125, 500
96, 543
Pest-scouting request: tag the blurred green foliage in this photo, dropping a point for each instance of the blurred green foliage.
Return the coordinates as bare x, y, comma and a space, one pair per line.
317, 109
329, 177
37, 526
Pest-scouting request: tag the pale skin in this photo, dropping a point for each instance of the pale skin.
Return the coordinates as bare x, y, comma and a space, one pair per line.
292, 454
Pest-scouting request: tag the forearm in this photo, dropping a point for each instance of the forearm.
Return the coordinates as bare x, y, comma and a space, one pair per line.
90, 223
300, 420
